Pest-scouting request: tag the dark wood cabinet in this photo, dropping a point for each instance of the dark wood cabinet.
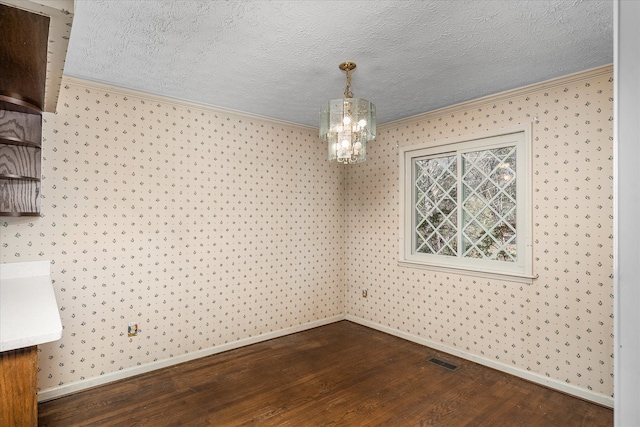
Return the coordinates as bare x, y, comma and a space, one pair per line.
19, 387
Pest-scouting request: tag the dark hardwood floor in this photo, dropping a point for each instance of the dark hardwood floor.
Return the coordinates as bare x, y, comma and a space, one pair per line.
342, 374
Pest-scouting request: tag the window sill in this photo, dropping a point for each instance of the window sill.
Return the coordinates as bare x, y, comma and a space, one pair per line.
511, 277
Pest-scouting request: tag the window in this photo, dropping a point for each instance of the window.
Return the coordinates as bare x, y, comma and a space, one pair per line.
466, 204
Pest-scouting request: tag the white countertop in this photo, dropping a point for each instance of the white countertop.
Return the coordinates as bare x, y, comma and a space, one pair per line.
28, 308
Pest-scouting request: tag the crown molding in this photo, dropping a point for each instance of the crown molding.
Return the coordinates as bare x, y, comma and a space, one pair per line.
151, 97
502, 96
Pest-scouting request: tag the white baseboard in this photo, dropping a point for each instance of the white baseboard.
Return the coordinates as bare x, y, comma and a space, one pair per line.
66, 389
529, 376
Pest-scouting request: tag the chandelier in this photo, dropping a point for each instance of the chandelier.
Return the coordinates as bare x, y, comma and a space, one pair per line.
347, 124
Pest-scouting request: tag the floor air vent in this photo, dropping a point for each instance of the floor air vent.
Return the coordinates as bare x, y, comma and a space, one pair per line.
444, 364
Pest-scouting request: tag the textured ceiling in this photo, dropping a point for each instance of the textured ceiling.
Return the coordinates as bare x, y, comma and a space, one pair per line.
280, 59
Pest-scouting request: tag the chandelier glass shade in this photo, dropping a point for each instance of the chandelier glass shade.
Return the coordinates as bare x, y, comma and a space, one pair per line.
347, 124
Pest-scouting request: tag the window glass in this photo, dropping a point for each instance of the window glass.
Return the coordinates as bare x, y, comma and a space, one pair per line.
436, 205
465, 204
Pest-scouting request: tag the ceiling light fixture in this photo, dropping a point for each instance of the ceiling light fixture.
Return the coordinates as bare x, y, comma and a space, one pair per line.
347, 124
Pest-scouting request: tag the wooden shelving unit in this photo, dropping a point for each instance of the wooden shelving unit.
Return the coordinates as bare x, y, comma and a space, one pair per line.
23, 49
20, 163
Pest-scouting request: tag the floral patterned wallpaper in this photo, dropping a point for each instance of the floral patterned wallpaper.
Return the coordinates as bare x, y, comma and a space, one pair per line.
202, 226
208, 227
560, 326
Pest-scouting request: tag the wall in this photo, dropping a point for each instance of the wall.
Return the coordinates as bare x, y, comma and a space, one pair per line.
556, 330
209, 228
215, 229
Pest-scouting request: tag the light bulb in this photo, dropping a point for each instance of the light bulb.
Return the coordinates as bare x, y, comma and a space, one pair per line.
362, 123
346, 120
357, 145
345, 143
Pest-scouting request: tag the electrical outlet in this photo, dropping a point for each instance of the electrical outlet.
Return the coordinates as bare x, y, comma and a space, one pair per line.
365, 293
133, 329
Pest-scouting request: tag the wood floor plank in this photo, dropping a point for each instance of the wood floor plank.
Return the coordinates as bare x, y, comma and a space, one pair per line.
342, 374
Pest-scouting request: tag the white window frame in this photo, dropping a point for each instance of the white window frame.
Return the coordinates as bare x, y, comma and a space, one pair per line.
519, 271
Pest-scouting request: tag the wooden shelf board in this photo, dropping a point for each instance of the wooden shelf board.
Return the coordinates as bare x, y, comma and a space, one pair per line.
8, 140
18, 177
18, 214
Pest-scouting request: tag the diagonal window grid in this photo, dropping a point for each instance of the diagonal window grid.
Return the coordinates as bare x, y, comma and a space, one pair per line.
466, 204
495, 249
436, 205
438, 243
437, 231
440, 220
489, 204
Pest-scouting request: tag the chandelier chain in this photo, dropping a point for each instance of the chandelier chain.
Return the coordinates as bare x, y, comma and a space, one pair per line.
347, 89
